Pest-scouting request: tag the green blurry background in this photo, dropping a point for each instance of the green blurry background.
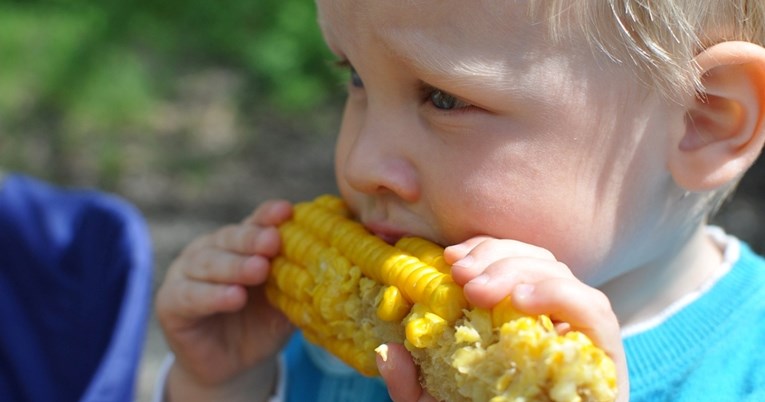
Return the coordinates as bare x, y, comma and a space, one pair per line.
153, 98
194, 110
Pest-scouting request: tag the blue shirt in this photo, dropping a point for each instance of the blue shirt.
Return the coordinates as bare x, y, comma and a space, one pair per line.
711, 350
315, 375
75, 290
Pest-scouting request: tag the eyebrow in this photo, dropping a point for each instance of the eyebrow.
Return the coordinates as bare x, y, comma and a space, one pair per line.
479, 76
434, 62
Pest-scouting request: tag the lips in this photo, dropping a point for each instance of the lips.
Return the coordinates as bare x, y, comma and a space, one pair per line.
385, 231
382, 218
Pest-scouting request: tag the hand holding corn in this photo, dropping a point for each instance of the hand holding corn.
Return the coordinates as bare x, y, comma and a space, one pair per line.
211, 305
350, 292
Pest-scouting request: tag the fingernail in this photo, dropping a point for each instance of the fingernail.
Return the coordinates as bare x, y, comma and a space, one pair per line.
262, 235
456, 248
480, 279
464, 263
523, 290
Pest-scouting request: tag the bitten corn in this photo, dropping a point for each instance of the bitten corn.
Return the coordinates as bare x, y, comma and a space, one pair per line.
350, 292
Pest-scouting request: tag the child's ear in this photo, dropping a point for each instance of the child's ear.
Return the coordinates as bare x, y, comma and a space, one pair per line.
725, 125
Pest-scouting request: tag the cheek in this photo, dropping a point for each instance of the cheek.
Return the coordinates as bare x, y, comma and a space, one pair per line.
563, 225
530, 197
341, 152
343, 144
495, 204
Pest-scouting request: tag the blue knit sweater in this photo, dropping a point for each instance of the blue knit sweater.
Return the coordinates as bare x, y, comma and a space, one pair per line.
711, 350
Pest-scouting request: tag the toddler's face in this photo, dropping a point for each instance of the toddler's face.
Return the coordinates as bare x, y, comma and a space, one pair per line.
462, 119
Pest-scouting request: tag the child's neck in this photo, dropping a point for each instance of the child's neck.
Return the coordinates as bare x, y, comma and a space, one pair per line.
645, 292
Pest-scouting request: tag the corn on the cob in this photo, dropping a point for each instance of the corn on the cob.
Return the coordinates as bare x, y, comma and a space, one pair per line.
349, 292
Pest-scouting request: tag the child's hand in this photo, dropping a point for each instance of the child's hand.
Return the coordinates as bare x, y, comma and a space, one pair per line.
490, 269
400, 375
213, 310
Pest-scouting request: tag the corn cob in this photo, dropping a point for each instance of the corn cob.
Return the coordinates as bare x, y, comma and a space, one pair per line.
350, 292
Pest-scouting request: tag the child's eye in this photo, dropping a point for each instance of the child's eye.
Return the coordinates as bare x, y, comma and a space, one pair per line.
445, 101
355, 78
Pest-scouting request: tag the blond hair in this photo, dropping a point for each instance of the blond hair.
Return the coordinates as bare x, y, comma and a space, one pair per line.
659, 38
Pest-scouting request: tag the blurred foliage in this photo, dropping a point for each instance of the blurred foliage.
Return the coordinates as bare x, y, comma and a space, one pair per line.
93, 89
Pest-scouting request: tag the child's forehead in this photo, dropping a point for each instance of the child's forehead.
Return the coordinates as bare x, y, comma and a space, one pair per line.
409, 27
479, 47
415, 11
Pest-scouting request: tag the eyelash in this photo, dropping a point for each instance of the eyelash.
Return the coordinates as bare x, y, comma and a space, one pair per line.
436, 97
355, 79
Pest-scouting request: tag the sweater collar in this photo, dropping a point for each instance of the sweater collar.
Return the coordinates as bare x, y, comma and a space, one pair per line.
686, 329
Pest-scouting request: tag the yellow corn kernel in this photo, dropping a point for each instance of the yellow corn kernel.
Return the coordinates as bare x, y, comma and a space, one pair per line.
504, 312
382, 350
420, 283
393, 306
294, 309
426, 251
350, 292
289, 275
333, 203
423, 328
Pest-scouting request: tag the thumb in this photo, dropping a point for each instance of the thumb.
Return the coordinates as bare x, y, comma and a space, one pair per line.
400, 374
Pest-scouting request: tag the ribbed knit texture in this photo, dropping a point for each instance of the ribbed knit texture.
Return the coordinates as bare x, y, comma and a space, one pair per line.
713, 349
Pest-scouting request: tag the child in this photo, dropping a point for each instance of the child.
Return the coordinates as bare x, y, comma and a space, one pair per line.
569, 155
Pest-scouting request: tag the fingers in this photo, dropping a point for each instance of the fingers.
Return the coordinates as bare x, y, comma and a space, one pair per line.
270, 213
197, 299
236, 254
469, 259
583, 308
489, 268
576, 306
246, 239
211, 275
220, 266
497, 280
257, 234
400, 375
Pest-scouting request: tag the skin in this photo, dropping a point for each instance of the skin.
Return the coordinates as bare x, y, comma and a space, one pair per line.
552, 175
211, 306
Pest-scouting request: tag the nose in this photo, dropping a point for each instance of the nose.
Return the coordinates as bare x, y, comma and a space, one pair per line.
375, 155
